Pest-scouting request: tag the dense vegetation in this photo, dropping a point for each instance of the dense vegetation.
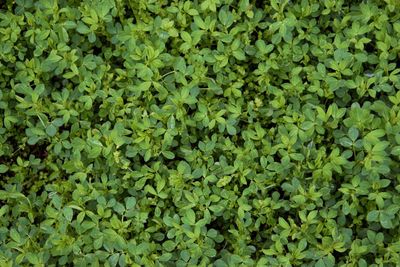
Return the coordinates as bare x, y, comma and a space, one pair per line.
199, 133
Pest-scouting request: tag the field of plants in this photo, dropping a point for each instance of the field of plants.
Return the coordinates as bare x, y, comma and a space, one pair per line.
200, 133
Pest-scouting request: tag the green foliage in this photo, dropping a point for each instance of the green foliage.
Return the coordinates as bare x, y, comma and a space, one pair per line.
199, 133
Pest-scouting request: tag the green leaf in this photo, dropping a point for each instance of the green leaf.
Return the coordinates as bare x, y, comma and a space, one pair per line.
68, 213
239, 54
396, 151
130, 202
190, 217
51, 130
385, 221
15, 235
168, 154
184, 168
82, 28
353, 133
169, 245
3, 168
346, 142
373, 216
33, 258
283, 223
186, 37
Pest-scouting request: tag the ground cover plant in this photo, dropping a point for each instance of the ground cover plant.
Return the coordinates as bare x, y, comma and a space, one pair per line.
199, 133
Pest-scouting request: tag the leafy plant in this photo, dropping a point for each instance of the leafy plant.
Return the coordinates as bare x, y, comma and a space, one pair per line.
199, 133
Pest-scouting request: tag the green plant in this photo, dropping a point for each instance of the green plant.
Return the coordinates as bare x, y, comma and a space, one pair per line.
199, 133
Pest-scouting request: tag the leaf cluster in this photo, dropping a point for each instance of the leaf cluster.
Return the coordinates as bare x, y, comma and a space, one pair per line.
199, 133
